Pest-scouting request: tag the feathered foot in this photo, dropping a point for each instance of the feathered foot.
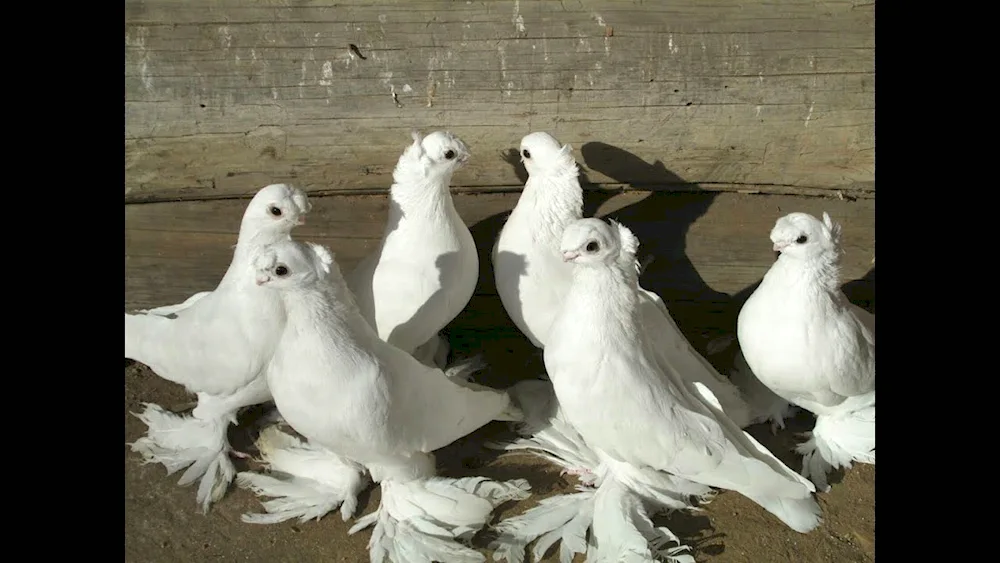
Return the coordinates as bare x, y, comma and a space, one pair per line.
306, 481
623, 531
561, 445
776, 417
563, 518
837, 441
615, 512
419, 521
179, 441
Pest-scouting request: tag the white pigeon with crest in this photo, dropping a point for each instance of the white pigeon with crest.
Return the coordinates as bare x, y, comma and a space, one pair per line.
426, 267
811, 346
532, 279
656, 440
349, 392
216, 344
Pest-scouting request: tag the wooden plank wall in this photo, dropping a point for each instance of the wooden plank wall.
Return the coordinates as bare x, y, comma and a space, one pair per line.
224, 96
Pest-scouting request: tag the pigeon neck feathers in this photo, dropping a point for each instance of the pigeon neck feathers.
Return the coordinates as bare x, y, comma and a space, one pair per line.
329, 306
553, 201
821, 270
607, 292
417, 185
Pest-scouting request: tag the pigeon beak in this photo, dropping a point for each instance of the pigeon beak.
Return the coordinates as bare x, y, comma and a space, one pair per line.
570, 255
779, 246
261, 279
301, 220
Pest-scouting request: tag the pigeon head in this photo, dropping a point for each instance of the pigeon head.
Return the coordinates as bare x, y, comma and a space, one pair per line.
593, 241
291, 264
435, 156
278, 207
542, 153
802, 236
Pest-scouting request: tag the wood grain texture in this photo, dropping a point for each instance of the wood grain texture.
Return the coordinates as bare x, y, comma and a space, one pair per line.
223, 96
708, 249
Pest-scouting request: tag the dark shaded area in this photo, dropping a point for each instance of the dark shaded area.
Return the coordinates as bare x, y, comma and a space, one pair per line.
861, 291
661, 222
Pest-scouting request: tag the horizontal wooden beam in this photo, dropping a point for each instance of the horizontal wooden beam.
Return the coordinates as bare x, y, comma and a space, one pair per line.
221, 97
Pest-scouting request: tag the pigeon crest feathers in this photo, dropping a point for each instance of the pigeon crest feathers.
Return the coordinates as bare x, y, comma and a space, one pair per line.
437, 154
628, 242
323, 256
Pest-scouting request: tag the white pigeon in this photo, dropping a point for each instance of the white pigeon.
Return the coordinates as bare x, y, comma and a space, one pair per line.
426, 267
216, 344
805, 341
616, 392
532, 279
346, 390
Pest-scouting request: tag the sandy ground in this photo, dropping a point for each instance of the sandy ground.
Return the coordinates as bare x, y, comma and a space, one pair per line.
162, 522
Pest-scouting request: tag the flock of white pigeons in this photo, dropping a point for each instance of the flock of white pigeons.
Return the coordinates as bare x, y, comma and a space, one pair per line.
355, 365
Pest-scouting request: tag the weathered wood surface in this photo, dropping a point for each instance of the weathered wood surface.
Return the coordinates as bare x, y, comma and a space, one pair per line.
708, 249
224, 96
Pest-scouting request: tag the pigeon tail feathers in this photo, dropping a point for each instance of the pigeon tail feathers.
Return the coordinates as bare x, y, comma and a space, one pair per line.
800, 514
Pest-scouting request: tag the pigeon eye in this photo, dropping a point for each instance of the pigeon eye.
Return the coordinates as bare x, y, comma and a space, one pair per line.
592, 246
526, 154
801, 240
449, 154
281, 271
275, 211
